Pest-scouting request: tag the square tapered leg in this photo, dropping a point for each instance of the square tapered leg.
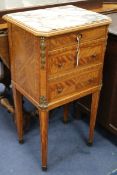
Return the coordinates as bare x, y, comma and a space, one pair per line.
43, 118
94, 106
18, 113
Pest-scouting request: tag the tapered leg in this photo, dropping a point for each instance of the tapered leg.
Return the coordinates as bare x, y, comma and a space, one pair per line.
66, 113
18, 113
43, 117
94, 106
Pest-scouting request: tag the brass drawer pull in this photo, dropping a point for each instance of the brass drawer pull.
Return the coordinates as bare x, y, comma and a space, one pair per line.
94, 56
60, 65
59, 89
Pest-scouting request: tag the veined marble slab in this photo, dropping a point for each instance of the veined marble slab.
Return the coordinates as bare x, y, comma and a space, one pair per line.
55, 19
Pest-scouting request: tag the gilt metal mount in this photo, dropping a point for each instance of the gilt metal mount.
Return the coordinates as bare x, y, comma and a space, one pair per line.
43, 102
42, 52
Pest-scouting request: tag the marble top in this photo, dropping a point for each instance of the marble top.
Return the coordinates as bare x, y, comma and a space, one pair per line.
14, 4
44, 21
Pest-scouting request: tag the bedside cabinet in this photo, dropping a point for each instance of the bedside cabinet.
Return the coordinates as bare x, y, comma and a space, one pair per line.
56, 57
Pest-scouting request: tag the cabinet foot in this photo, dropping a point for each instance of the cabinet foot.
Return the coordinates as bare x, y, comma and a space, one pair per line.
89, 143
66, 122
44, 168
21, 141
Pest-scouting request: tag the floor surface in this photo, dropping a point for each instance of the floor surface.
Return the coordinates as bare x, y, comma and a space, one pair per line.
68, 153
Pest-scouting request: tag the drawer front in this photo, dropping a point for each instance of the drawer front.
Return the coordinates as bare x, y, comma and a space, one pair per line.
65, 40
62, 60
66, 59
4, 51
78, 83
91, 54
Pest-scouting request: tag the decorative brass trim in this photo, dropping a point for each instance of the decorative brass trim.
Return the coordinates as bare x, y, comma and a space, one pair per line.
43, 52
43, 102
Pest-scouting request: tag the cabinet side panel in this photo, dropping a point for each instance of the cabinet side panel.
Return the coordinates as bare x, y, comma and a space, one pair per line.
25, 61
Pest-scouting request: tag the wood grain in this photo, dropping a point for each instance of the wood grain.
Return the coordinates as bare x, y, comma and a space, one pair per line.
24, 62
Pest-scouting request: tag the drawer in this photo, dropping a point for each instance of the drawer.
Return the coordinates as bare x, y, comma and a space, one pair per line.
4, 51
73, 84
65, 59
62, 60
87, 35
91, 54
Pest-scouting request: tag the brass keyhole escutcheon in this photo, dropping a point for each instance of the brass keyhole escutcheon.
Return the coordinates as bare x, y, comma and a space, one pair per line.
59, 89
79, 36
